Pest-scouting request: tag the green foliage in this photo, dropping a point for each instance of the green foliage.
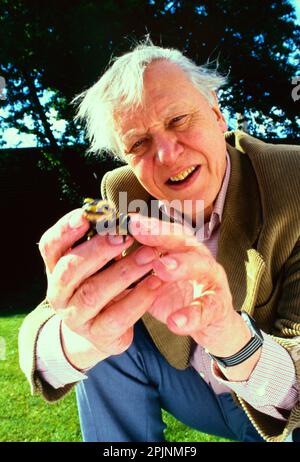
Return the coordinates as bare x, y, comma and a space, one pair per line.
29, 418
25, 417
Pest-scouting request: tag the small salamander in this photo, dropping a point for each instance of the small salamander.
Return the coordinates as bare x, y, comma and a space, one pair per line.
103, 217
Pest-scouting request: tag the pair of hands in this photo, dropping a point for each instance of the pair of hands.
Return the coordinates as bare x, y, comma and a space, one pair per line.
188, 291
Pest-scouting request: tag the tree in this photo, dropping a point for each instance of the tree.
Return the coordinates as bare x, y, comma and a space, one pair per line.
63, 46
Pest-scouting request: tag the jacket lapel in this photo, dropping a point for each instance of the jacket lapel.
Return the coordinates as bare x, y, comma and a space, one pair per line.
240, 228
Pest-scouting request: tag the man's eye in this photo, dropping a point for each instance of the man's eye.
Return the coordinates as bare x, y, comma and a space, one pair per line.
137, 145
178, 120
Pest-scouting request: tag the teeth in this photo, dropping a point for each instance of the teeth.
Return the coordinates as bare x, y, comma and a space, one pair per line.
182, 175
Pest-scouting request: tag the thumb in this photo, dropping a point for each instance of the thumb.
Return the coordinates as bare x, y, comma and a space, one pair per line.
194, 317
186, 320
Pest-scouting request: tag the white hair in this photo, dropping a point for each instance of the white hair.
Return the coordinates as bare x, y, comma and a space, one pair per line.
121, 86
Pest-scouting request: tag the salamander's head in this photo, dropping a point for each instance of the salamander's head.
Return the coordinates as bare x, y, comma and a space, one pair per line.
96, 210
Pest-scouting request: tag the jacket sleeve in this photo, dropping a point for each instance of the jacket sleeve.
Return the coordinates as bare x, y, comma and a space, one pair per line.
286, 331
28, 336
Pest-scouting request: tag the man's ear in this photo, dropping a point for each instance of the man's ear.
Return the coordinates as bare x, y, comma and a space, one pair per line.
220, 117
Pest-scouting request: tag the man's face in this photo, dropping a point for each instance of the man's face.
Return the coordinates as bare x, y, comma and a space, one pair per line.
173, 132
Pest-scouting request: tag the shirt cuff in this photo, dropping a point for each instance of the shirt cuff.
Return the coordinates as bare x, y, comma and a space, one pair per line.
271, 383
52, 364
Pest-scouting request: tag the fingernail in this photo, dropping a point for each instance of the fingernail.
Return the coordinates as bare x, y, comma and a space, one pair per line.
169, 263
179, 319
154, 283
144, 256
115, 239
76, 220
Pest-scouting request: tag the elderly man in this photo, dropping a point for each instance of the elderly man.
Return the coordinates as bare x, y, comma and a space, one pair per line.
182, 337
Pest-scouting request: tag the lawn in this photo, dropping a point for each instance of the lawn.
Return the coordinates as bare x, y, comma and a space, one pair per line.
29, 418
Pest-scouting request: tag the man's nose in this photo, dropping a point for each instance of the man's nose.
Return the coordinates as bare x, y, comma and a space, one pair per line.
167, 148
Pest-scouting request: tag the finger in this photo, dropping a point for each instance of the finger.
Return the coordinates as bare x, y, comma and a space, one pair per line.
192, 265
60, 237
194, 319
158, 233
171, 298
79, 264
119, 297
118, 345
116, 319
97, 291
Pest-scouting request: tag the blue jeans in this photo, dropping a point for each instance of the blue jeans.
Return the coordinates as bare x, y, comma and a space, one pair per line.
123, 396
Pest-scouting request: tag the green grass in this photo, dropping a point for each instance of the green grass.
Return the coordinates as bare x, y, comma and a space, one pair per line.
28, 418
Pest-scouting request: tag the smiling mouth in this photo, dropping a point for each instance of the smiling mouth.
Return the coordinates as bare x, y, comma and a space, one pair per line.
183, 176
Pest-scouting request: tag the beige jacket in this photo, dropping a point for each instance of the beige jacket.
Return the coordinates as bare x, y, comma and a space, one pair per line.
259, 247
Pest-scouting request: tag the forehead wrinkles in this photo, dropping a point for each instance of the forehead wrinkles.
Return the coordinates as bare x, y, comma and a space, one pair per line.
141, 120
167, 90
130, 123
